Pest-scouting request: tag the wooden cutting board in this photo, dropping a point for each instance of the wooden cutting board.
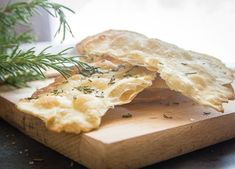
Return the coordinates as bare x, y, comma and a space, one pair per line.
155, 132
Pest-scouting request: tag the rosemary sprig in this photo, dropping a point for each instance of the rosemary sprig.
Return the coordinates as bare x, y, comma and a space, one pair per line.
87, 70
17, 64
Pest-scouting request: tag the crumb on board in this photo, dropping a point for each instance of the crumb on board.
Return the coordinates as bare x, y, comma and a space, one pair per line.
206, 113
167, 116
127, 115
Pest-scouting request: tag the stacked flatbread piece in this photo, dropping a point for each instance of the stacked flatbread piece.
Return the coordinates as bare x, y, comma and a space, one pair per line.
133, 67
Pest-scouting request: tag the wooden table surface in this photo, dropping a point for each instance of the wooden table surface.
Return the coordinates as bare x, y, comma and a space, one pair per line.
18, 151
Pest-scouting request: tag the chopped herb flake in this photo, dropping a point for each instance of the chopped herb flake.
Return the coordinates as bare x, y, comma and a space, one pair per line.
128, 115
85, 89
206, 113
167, 116
31, 98
101, 96
57, 91
112, 80
191, 73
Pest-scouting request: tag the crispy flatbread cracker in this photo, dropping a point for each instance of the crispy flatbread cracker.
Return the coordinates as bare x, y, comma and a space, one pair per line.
156, 92
200, 77
78, 103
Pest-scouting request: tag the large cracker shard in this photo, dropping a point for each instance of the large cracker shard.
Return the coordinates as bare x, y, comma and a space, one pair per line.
78, 103
200, 77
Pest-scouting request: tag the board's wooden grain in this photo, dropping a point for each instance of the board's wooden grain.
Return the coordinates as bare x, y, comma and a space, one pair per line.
145, 138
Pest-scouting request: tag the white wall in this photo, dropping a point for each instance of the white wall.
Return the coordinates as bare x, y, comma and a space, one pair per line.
202, 25
39, 24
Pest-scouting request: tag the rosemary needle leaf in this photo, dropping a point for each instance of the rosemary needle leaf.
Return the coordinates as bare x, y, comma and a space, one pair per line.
16, 63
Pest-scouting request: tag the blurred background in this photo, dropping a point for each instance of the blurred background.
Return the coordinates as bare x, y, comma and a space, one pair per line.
206, 26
